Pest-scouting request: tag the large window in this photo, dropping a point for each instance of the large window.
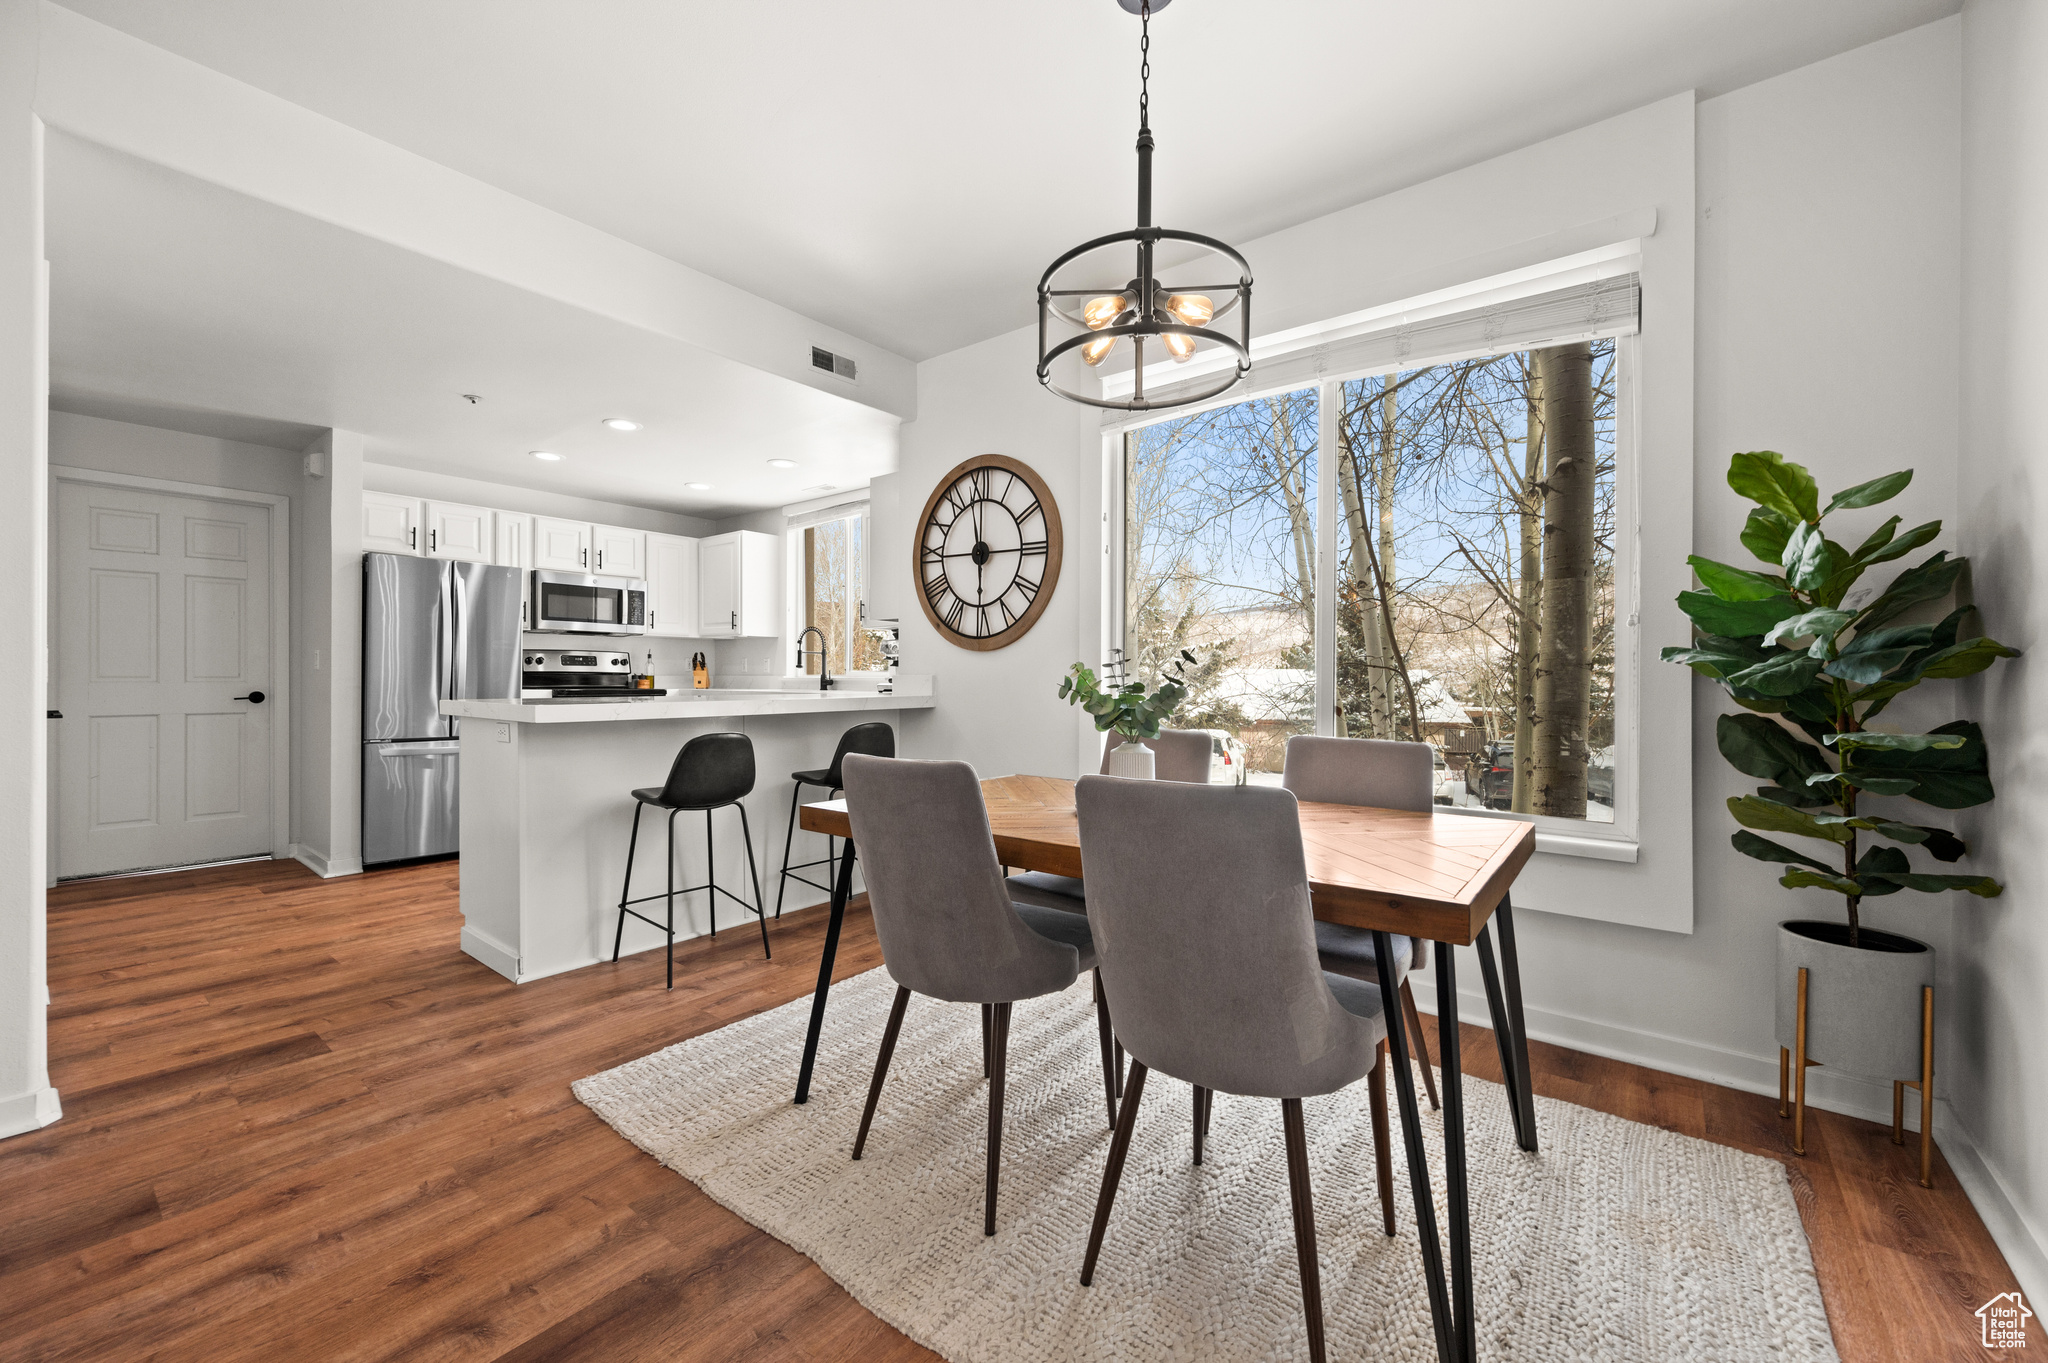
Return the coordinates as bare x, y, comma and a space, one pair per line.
1469, 600
1220, 559
831, 567
1475, 593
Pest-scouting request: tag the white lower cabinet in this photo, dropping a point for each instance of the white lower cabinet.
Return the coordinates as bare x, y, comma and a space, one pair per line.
672, 586
739, 585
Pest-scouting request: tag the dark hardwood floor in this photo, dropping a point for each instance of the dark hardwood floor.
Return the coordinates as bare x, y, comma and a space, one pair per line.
300, 1124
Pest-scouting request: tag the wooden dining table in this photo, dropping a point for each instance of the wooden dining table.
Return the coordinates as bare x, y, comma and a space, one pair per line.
1443, 877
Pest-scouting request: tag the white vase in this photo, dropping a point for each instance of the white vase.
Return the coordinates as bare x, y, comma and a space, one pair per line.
1131, 760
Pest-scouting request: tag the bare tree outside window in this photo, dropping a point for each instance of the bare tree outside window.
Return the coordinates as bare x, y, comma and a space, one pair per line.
1220, 515
832, 561
1475, 570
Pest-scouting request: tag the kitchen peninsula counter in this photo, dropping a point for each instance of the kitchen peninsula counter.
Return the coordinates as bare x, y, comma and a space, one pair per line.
547, 814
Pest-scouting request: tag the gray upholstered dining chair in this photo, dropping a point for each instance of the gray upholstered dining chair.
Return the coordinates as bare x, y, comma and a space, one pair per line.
1382, 774
948, 930
1200, 903
1177, 755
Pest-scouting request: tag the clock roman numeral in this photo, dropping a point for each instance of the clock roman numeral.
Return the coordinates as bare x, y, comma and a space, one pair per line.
1032, 547
954, 613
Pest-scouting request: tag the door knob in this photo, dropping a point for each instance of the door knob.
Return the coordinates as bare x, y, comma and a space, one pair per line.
254, 697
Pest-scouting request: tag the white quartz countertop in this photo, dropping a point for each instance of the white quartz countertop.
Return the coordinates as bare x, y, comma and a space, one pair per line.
716, 703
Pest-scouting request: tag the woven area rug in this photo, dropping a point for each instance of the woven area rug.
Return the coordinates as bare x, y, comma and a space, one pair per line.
1618, 1241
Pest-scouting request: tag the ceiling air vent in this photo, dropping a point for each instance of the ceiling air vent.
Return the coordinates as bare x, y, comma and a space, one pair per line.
839, 366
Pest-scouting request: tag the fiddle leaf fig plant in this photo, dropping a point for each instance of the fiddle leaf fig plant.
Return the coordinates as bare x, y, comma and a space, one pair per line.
1128, 709
1789, 647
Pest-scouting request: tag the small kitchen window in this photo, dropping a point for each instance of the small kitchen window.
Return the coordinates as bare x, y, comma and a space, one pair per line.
829, 552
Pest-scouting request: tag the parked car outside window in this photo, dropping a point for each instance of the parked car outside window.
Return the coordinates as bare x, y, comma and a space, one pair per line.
1226, 758
1490, 775
1440, 777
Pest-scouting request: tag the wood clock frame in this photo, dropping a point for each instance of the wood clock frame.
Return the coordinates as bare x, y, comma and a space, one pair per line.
1054, 544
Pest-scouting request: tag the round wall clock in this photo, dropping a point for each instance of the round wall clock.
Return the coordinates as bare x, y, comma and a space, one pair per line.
988, 552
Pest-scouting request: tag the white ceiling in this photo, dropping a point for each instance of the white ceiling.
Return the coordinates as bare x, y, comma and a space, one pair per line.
177, 303
904, 170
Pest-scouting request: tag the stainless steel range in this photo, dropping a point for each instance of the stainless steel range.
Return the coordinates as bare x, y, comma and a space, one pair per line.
566, 674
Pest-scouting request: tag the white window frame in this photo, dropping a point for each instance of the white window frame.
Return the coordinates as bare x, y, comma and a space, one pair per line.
857, 571
1616, 841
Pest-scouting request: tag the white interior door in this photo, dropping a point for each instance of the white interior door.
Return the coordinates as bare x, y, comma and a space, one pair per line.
162, 634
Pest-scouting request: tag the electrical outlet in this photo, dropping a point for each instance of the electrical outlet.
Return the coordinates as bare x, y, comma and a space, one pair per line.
504, 734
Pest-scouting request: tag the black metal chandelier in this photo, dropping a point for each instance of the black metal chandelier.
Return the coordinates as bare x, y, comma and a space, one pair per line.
1145, 307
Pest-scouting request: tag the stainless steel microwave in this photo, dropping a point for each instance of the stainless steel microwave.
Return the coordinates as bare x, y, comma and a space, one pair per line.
581, 603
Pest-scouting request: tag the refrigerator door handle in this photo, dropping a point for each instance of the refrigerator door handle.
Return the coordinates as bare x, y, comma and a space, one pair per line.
446, 664
417, 749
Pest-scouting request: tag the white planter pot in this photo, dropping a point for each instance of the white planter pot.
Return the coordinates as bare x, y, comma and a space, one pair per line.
1862, 1003
1132, 760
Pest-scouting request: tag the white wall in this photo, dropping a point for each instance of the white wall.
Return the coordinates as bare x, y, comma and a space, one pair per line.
1825, 265
323, 595
1827, 245
1998, 1076
26, 1099
996, 710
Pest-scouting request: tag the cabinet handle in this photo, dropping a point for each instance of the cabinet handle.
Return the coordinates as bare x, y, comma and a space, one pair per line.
584, 555
600, 560
735, 621
412, 537
433, 540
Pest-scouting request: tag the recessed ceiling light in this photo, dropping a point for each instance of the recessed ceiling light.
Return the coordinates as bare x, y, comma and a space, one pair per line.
548, 455
782, 463
619, 423
698, 487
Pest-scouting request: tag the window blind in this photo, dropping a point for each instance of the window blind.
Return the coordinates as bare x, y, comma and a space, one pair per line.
1589, 309
838, 512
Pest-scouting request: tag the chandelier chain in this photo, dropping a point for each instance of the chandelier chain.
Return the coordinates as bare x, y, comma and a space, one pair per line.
1144, 62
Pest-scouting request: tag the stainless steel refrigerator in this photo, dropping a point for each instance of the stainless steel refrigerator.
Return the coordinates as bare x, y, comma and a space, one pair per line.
432, 631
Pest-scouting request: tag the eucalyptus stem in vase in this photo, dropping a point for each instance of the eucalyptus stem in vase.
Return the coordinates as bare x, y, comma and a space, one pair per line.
1129, 709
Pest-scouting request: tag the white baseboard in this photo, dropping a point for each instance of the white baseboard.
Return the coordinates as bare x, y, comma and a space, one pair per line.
31, 1111
2024, 1245
493, 953
316, 861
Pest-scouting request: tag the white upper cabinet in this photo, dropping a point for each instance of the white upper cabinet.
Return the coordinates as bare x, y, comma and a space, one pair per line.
617, 552
514, 544
672, 586
459, 532
561, 546
513, 548
739, 585
391, 525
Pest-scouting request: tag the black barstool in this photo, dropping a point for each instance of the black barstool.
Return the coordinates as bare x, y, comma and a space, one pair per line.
875, 740
712, 771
